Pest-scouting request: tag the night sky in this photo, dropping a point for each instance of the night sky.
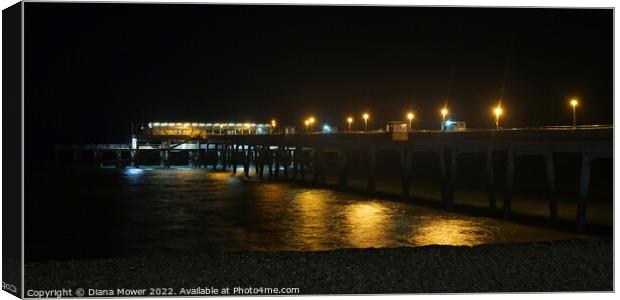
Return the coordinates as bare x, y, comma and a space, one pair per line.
92, 69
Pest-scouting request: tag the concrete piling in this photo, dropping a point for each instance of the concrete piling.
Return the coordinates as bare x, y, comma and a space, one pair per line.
277, 162
269, 160
443, 177
98, 157
296, 162
190, 158
216, 156
343, 165
584, 182
119, 159
552, 197
234, 158
451, 186
285, 161
372, 162
490, 179
316, 161
255, 158
510, 169
405, 167
261, 162
302, 164
246, 162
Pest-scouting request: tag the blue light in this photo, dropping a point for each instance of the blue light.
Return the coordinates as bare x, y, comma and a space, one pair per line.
327, 129
448, 123
133, 171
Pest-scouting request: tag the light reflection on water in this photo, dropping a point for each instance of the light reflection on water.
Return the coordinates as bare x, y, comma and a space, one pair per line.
369, 224
452, 232
194, 210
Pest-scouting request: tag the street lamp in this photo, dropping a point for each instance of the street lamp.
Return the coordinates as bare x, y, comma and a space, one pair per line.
498, 112
410, 117
574, 103
307, 122
273, 126
311, 120
365, 116
349, 121
444, 112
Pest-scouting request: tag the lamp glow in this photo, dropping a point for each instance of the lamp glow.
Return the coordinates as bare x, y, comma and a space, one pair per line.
410, 117
444, 112
498, 111
574, 103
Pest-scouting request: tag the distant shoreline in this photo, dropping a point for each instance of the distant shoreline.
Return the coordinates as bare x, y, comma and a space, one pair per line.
570, 265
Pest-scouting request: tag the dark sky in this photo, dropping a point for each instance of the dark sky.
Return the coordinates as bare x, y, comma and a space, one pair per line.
92, 69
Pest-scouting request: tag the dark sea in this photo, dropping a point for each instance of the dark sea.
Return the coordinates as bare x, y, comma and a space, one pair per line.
80, 213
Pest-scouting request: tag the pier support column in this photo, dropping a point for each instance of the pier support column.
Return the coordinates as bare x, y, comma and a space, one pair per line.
510, 170
318, 166
372, 162
204, 156
302, 165
443, 183
135, 156
119, 159
246, 162
234, 158
451, 187
164, 158
255, 159
490, 179
223, 156
215, 156
343, 168
584, 182
98, 157
553, 204
198, 155
190, 158
285, 161
277, 162
261, 162
295, 162
269, 160
406, 161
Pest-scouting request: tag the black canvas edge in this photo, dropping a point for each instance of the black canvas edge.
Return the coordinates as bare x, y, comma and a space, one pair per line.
12, 154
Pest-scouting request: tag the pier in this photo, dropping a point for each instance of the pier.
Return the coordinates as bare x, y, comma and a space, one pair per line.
303, 157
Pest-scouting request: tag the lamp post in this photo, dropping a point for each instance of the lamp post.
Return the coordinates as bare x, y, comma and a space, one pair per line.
307, 122
311, 120
410, 117
444, 112
498, 112
574, 103
349, 121
273, 126
365, 116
